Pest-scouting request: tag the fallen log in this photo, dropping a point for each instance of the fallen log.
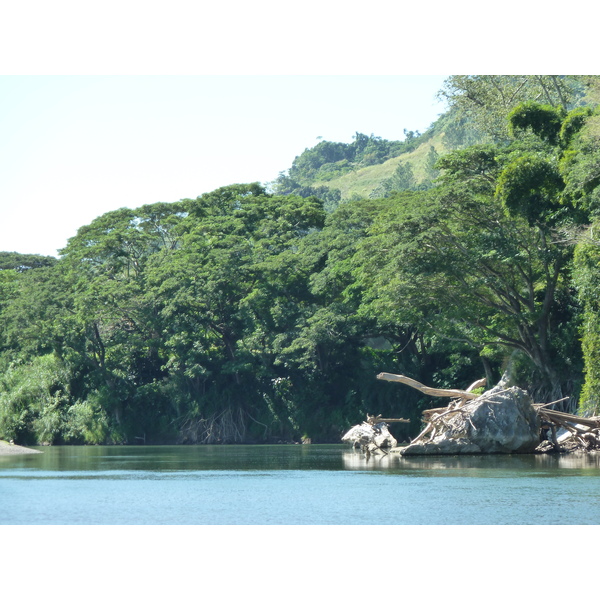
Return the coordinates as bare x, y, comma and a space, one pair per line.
378, 419
477, 384
560, 418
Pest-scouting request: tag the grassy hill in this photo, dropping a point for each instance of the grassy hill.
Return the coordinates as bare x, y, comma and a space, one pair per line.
364, 181
374, 167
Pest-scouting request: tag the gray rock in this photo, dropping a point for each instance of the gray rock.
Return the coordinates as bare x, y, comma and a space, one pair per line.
10, 448
499, 421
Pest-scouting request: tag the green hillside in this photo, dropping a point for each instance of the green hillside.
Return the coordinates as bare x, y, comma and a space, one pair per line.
374, 167
365, 181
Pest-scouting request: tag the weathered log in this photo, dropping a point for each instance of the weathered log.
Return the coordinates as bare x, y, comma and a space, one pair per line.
583, 433
430, 413
477, 384
561, 418
500, 420
423, 433
464, 426
372, 420
537, 406
427, 390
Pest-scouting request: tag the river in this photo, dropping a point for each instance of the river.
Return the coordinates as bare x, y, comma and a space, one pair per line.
293, 485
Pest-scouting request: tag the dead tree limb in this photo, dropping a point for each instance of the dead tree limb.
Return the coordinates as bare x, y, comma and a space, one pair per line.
538, 406
423, 433
372, 420
427, 390
560, 418
476, 384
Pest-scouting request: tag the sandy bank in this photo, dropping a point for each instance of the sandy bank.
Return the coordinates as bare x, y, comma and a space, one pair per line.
6, 448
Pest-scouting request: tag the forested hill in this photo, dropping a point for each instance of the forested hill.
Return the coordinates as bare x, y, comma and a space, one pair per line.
373, 167
254, 314
329, 170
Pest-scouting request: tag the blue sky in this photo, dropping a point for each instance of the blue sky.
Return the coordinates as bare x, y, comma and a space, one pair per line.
128, 102
75, 147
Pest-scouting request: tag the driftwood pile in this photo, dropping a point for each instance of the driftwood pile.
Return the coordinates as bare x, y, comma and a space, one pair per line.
501, 420
579, 433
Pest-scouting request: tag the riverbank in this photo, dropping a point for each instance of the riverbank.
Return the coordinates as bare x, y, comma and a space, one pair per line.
6, 448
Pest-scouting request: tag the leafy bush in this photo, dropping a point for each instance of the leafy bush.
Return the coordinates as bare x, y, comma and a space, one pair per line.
86, 423
33, 399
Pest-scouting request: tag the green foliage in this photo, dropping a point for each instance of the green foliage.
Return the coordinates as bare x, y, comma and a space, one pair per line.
34, 399
309, 163
457, 129
586, 277
86, 422
331, 197
431, 164
543, 120
22, 262
403, 179
580, 163
472, 170
329, 160
454, 265
485, 101
589, 402
573, 123
530, 187
248, 315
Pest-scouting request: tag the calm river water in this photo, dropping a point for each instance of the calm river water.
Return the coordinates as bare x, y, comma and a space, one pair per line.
292, 485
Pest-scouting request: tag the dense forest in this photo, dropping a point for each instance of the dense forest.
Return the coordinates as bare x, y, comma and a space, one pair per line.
260, 313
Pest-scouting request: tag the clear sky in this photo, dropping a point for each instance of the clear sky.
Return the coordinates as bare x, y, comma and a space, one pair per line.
75, 147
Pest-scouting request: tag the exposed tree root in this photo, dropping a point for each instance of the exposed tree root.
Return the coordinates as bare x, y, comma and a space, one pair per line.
227, 427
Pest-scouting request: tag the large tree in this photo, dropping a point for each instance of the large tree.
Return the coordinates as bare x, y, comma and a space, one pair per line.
458, 265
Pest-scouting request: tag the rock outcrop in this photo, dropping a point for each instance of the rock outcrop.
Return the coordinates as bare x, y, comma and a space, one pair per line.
370, 436
498, 421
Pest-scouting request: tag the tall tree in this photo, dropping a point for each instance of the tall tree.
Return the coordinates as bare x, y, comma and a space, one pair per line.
487, 99
455, 264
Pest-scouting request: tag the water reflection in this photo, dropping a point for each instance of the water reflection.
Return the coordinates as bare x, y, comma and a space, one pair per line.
473, 464
288, 485
568, 461
179, 458
334, 457
356, 460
